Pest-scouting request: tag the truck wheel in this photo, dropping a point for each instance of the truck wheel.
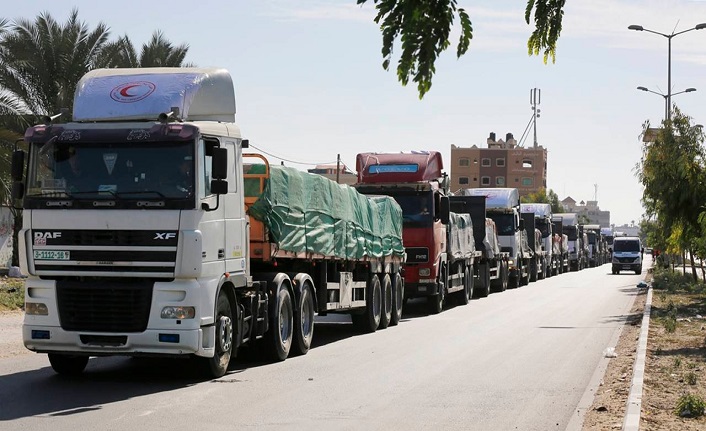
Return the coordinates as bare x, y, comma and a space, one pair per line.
68, 365
387, 301
533, 270
398, 295
513, 282
304, 318
370, 319
484, 280
436, 302
505, 275
278, 338
217, 366
464, 296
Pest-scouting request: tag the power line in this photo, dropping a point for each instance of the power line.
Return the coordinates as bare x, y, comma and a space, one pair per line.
288, 160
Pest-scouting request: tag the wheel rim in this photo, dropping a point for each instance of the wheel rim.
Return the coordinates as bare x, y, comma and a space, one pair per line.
307, 314
399, 294
225, 333
285, 319
377, 300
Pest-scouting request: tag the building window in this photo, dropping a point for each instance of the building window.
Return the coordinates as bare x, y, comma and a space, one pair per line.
500, 162
484, 181
527, 163
475, 179
464, 162
463, 180
485, 162
499, 181
527, 182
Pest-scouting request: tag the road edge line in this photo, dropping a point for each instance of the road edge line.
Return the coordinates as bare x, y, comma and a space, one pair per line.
634, 405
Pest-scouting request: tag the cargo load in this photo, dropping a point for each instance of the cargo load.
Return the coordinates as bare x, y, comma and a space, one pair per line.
307, 213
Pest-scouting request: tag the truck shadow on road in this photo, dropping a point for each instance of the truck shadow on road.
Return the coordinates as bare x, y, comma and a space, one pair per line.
42, 393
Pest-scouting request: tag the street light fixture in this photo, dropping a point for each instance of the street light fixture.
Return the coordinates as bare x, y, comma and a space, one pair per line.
668, 96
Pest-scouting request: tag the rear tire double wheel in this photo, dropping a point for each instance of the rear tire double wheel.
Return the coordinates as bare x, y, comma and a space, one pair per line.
388, 300
369, 320
304, 320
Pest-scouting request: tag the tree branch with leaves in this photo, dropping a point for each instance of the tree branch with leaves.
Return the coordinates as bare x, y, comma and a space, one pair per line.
423, 28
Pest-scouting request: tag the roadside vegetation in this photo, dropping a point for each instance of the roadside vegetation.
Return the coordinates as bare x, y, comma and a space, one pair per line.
12, 294
675, 384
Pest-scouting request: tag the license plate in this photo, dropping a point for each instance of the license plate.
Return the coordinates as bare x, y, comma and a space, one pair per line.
51, 255
626, 266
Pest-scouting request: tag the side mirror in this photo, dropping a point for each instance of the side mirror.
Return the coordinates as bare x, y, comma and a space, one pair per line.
219, 164
444, 209
219, 187
18, 164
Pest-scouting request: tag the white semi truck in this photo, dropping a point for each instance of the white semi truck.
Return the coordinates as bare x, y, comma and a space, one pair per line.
146, 233
503, 206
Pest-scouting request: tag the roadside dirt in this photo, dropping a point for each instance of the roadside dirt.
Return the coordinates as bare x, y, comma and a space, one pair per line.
676, 365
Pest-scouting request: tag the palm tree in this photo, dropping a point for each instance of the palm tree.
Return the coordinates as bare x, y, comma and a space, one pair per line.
41, 61
158, 52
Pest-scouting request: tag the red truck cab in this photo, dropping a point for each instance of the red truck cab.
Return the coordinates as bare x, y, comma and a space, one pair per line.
417, 183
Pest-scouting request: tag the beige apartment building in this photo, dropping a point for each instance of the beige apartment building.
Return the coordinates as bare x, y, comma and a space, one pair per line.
501, 164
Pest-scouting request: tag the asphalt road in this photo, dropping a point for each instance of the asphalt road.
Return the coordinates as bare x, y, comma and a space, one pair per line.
522, 359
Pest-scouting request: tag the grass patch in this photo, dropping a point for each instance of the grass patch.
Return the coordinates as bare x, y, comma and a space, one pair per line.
12, 294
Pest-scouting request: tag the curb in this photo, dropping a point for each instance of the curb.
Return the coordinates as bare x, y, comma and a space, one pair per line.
634, 405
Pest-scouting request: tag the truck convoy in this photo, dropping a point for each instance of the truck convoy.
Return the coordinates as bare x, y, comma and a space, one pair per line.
147, 231
560, 245
503, 206
570, 226
440, 247
136, 239
539, 215
596, 245
491, 266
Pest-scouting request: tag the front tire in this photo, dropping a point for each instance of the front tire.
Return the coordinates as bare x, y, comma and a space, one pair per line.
217, 366
398, 295
304, 318
436, 302
68, 365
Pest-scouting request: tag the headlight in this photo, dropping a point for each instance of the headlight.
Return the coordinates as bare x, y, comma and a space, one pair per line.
424, 272
172, 312
511, 262
36, 309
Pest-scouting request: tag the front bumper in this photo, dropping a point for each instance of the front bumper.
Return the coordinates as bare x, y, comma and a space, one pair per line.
46, 339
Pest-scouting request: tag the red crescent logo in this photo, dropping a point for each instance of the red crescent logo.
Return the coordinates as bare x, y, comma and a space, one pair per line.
124, 93
132, 91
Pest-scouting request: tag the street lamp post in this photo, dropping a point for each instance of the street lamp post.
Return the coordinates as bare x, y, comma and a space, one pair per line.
666, 98
669, 37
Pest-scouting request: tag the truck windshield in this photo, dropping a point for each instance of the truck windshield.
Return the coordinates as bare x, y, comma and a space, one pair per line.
417, 209
592, 237
505, 223
544, 227
626, 246
572, 232
148, 170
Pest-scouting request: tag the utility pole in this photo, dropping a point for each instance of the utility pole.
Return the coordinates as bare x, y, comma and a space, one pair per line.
338, 169
535, 99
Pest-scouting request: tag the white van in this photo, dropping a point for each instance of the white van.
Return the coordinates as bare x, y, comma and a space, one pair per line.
627, 254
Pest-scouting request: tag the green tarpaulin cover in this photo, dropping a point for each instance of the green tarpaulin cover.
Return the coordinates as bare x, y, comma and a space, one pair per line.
310, 213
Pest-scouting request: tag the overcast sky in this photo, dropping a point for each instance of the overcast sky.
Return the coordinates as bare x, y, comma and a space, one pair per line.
310, 85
